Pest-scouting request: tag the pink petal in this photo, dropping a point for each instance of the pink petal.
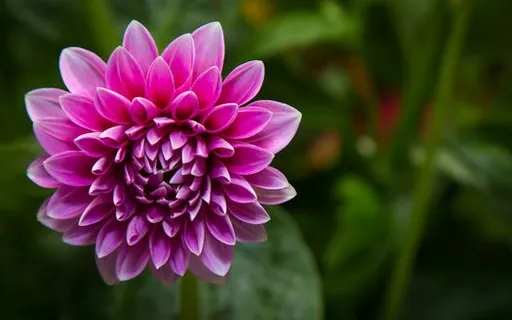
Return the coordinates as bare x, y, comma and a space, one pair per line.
177, 139
160, 83
243, 83
165, 275
248, 159
218, 203
208, 87
131, 261
124, 74
180, 55
209, 47
281, 128
51, 144
72, 168
179, 257
249, 121
216, 256
54, 224
249, 233
220, 117
60, 128
44, 103
268, 178
114, 137
81, 111
219, 172
68, 203
220, 147
107, 268
99, 209
193, 236
198, 268
102, 184
81, 236
268, 196
142, 111
138, 41
239, 190
82, 71
184, 106
137, 229
252, 213
91, 144
38, 174
159, 247
112, 106
110, 237
221, 229
171, 227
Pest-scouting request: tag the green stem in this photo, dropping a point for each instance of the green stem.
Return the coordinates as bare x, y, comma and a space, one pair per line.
424, 187
189, 309
102, 25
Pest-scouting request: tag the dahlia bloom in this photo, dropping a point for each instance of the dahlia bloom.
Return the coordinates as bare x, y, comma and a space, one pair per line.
156, 159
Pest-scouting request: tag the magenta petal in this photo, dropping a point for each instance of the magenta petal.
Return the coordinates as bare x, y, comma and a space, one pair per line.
38, 174
91, 144
138, 41
72, 168
220, 147
137, 229
220, 117
110, 237
54, 224
112, 106
160, 83
219, 204
219, 172
198, 268
171, 227
216, 255
60, 128
165, 275
143, 111
239, 190
209, 47
281, 128
252, 213
99, 209
278, 196
80, 236
220, 228
249, 121
184, 106
51, 144
268, 178
208, 87
249, 233
107, 268
248, 159
243, 83
81, 111
159, 247
68, 203
180, 55
179, 257
82, 71
124, 74
193, 236
131, 261
114, 136
44, 103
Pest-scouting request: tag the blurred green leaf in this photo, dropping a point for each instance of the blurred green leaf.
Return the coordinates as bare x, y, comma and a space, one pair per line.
274, 280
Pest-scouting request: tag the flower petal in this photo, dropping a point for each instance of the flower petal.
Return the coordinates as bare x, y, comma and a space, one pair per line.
110, 237
137, 229
180, 55
51, 144
248, 159
131, 261
220, 117
38, 174
239, 190
112, 106
107, 268
165, 275
81, 111
278, 196
193, 236
208, 87
99, 209
201, 271
184, 106
281, 128
68, 203
216, 255
249, 121
249, 233
138, 41
60, 128
59, 225
209, 47
44, 103
91, 144
143, 110
159, 83
220, 228
243, 83
72, 168
252, 213
179, 257
80, 236
82, 71
159, 247
268, 178
124, 74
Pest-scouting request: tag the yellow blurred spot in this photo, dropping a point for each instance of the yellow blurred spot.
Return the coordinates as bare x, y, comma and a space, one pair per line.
257, 12
325, 150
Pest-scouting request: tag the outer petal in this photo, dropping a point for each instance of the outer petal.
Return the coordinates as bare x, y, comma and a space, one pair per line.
107, 268
249, 121
131, 261
124, 74
220, 228
209, 47
160, 83
201, 271
180, 56
193, 236
220, 117
268, 178
54, 224
112, 106
281, 128
159, 247
99, 209
208, 87
60, 128
51, 144
239, 190
243, 83
138, 41
44, 103
252, 213
72, 168
272, 197
82, 71
81, 111
179, 257
216, 255
80, 236
92, 145
165, 275
68, 203
249, 233
110, 237
248, 159
38, 174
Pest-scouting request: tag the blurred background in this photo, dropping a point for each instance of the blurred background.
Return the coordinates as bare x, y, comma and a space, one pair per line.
402, 163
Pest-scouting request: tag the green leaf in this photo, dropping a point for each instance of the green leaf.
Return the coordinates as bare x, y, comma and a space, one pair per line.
277, 279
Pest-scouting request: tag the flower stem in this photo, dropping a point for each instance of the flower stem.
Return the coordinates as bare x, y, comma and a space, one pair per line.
424, 187
189, 308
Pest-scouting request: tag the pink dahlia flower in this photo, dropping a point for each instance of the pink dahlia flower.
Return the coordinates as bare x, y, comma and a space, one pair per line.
156, 159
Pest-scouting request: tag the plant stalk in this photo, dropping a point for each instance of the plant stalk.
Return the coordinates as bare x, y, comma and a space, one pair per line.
189, 308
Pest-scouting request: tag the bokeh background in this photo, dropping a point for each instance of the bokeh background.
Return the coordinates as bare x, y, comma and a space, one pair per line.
402, 163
